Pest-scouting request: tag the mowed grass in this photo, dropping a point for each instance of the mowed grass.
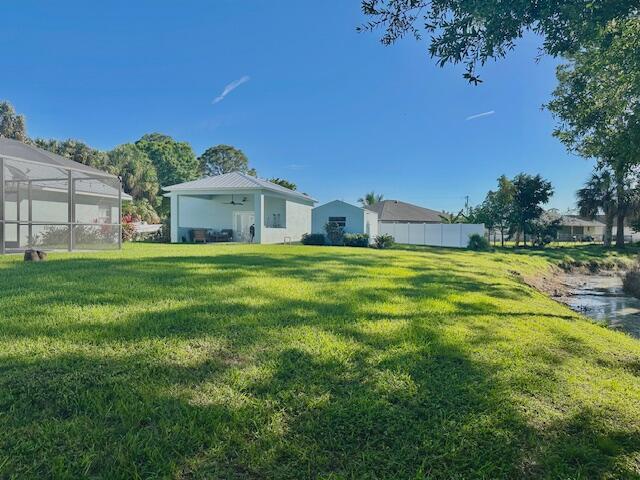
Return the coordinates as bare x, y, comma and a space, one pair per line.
242, 361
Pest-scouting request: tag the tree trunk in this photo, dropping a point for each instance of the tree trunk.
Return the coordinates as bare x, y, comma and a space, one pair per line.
608, 228
621, 212
620, 230
502, 237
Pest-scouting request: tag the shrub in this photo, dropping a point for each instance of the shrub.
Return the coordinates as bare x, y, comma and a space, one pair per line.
384, 241
128, 231
140, 211
335, 233
356, 240
631, 282
164, 234
478, 242
313, 239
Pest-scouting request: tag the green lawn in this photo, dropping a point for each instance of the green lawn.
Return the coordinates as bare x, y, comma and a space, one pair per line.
241, 361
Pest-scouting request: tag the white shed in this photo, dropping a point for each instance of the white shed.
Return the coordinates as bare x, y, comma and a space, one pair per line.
352, 218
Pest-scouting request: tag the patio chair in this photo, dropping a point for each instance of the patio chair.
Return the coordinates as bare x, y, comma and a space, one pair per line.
199, 235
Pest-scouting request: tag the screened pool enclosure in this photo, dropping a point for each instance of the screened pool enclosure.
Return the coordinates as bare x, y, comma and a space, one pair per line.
48, 202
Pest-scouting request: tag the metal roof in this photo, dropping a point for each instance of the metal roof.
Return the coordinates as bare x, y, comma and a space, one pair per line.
17, 150
397, 211
235, 181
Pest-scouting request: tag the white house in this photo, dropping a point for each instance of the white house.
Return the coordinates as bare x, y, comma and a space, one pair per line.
232, 203
353, 219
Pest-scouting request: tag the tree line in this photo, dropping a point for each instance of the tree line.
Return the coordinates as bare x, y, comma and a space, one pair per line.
144, 166
515, 210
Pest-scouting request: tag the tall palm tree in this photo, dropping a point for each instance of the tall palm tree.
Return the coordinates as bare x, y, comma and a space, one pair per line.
371, 198
599, 194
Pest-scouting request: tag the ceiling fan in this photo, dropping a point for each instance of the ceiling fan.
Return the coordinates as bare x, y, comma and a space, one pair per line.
233, 202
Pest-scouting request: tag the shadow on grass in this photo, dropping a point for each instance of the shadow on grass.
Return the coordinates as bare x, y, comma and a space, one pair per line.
206, 373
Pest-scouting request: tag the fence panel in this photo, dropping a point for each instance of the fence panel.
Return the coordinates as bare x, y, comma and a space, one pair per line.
416, 234
434, 234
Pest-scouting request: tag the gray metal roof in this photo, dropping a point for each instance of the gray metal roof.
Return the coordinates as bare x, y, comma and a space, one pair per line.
21, 151
235, 181
397, 211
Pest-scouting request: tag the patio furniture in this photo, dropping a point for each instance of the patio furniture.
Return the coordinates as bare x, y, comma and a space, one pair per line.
221, 236
199, 235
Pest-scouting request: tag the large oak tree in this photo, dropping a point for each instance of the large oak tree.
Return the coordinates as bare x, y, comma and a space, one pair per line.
471, 32
597, 105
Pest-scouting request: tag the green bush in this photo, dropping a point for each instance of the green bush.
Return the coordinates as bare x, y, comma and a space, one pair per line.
631, 283
140, 211
128, 232
384, 241
356, 240
478, 242
335, 233
313, 239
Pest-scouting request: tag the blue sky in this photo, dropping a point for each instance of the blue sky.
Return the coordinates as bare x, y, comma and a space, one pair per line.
317, 103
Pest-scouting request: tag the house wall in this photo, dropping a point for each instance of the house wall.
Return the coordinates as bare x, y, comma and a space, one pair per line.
355, 222
50, 206
298, 222
275, 212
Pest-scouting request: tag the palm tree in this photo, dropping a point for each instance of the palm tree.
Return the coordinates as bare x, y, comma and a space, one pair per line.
447, 217
599, 194
371, 198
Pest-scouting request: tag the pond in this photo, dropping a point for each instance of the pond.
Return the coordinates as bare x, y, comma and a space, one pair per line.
600, 297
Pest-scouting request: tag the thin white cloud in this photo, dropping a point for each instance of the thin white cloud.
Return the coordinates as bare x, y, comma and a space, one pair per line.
480, 115
230, 88
296, 166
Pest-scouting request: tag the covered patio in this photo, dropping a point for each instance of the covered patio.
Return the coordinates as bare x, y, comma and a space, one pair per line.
228, 205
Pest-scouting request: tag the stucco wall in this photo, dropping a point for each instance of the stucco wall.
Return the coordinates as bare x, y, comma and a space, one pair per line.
275, 208
298, 223
354, 216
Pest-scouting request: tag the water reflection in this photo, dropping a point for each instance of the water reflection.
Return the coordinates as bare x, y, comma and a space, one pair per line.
601, 298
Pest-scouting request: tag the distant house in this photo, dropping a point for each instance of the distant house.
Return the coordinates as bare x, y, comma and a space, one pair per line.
578, 229
351, 218
574, 228
395, 211
226, 206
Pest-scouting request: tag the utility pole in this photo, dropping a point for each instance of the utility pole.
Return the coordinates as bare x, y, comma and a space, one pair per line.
466, 203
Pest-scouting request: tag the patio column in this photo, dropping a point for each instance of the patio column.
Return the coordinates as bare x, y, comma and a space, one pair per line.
258, 206
175, 204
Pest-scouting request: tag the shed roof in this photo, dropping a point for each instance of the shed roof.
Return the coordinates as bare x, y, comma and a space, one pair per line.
397, 211
235, 181
21, 151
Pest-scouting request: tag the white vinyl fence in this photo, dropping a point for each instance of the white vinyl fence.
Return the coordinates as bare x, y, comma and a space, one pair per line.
436, 234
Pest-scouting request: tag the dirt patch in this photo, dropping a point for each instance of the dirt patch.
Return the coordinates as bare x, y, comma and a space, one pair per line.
550, 282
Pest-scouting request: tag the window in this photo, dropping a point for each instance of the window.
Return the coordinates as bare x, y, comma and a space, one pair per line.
104, 214
341, 221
